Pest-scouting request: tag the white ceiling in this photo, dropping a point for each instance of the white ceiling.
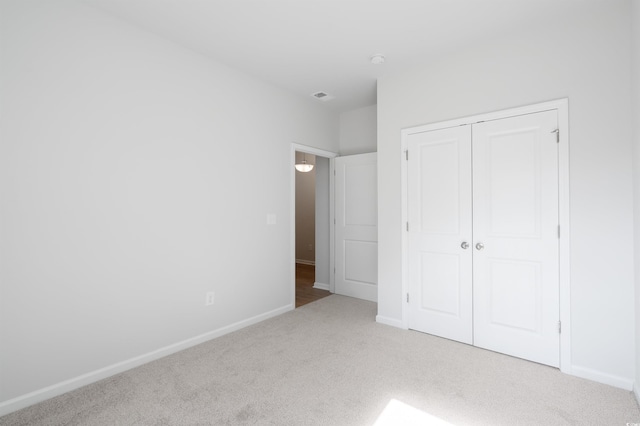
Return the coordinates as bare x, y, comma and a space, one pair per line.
307, 46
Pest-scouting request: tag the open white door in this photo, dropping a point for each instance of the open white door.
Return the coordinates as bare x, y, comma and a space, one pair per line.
356, 228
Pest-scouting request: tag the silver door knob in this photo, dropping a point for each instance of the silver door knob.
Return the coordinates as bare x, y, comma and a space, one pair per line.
464, 245
479, 246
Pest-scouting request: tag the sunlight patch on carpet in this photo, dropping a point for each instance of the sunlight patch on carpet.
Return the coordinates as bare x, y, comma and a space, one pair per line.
398, 413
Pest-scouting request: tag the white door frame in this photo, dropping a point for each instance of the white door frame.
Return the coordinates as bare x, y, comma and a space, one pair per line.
562, 107
292, 211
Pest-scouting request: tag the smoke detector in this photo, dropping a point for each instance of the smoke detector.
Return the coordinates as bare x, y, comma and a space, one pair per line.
377, 59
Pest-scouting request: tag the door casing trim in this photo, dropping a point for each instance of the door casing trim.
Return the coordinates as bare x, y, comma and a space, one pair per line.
562, 108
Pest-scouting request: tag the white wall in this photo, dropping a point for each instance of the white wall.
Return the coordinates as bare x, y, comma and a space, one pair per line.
358, 131
635, 49
306, 211
585, 58
322, 249
134, 177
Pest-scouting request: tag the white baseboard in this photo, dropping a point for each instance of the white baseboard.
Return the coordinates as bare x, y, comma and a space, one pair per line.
48, 392
321, 286
306, 262
636, 392
389, 321
607, 379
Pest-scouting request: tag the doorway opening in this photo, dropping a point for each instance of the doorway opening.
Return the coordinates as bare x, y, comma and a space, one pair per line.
307, 210
311, 227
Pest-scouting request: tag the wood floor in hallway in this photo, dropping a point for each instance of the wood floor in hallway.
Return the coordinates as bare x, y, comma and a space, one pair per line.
305, 293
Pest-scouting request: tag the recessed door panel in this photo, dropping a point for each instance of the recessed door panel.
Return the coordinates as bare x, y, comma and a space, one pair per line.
514, 294
439, 186
360, 196
513, 184
440, 283
361, 262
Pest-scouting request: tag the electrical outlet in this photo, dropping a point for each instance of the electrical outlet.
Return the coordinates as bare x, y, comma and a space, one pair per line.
209, 299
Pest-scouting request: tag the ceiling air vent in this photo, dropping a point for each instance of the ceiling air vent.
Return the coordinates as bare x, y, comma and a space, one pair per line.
323, 96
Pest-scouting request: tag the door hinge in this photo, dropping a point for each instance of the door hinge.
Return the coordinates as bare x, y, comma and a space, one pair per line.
559, 327
557, 132
407, 297
558, 231
407, 226
406, 154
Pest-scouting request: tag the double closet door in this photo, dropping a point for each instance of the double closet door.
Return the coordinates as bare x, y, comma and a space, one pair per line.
483, 235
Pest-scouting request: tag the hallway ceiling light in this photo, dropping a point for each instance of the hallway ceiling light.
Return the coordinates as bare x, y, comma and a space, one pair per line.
303, 166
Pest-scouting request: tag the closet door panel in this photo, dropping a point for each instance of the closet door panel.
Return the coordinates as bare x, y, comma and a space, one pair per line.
515, 225
439, 198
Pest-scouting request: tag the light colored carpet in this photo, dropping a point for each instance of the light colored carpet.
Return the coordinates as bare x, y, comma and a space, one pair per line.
330, 363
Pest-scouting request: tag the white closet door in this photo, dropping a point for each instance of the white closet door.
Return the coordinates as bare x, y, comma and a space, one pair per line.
515, 243
439, 197
356, 229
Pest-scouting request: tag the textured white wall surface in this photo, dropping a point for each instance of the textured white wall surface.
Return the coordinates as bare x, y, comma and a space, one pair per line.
135, 176
358, 131
586, 59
